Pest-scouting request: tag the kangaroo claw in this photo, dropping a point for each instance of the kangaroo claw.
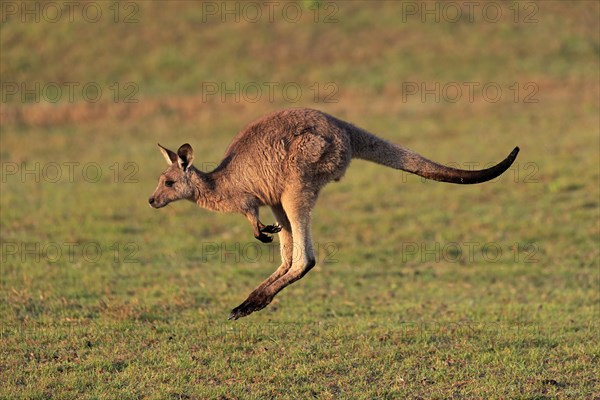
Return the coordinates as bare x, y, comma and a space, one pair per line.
271, 228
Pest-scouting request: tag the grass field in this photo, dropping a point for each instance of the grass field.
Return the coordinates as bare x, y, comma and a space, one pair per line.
421, 289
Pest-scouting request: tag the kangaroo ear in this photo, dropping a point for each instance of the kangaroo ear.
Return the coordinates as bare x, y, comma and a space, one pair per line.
185, 156
169, 156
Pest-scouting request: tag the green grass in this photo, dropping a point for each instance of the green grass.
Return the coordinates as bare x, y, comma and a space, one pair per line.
422, 289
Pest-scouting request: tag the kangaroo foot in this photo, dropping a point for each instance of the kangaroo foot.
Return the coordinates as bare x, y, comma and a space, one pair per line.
254, 302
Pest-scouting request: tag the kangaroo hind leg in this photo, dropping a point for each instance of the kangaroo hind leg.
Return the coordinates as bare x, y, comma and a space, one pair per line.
285, 246
303, 259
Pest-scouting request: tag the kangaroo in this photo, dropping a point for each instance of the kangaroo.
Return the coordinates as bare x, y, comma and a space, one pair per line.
282, 161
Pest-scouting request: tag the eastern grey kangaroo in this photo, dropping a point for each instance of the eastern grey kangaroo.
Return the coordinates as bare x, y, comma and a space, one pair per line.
282, 161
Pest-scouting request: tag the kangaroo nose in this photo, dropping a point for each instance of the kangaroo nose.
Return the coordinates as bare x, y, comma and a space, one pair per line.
151, 200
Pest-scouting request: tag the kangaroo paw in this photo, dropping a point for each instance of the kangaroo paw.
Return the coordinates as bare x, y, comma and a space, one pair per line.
264, 229
252, 303
271, 228
264, 238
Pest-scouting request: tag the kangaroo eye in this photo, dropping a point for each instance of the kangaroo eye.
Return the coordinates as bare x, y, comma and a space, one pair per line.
169, 183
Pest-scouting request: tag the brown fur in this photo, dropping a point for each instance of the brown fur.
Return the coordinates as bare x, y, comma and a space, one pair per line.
282, 161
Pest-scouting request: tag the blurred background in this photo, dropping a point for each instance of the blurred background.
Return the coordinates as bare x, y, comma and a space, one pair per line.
88, 89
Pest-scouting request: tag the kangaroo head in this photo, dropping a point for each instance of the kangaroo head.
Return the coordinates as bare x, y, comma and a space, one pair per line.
176, 182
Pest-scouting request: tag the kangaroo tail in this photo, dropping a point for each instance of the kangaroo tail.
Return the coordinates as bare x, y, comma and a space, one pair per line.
369, 147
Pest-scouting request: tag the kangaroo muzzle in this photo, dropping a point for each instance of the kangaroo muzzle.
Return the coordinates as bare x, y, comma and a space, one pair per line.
155, 203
